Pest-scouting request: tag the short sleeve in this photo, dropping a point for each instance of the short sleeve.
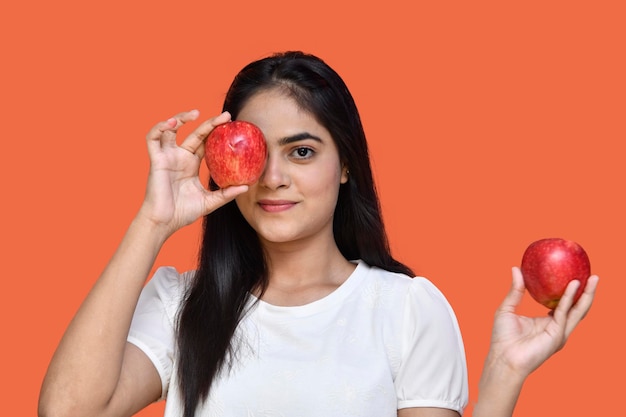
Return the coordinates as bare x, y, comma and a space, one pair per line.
153, 325
433, 369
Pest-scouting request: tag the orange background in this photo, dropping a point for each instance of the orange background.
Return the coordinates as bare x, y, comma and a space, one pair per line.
491, 125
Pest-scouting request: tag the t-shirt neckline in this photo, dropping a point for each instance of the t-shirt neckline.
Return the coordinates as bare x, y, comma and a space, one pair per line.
336, 296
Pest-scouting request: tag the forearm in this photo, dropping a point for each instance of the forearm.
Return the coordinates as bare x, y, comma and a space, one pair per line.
498, 390
88, 360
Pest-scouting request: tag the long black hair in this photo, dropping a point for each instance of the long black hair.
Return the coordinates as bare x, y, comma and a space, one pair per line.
231, 260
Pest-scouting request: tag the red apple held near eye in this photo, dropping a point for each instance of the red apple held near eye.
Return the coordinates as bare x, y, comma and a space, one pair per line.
548, 265
235, 153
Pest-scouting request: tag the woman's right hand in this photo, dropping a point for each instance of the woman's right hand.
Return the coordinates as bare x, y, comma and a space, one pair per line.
175, 196
95, 370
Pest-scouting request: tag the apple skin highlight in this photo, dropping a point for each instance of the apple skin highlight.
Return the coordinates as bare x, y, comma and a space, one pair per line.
548, 265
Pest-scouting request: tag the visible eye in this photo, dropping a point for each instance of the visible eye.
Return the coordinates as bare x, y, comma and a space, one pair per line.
303, 153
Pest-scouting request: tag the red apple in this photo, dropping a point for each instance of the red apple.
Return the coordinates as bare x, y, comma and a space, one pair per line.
548, 265
235, 153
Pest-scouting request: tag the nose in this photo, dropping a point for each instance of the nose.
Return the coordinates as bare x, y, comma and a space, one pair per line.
275, 174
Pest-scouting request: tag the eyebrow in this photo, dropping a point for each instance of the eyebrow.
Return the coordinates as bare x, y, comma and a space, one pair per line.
300, 136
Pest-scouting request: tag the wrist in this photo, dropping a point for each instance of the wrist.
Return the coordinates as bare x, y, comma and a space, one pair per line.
498, 389
144, 226
497, 371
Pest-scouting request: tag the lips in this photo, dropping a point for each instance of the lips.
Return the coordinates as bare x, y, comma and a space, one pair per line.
275, 206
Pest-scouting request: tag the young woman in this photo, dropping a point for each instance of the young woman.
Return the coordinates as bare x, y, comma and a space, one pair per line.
297, 307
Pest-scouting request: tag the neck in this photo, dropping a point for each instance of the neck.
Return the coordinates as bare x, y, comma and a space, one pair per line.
300, 274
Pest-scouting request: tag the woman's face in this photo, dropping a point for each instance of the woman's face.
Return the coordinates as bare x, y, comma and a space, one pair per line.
295, 197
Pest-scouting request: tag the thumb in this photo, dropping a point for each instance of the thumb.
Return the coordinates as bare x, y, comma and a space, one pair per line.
516, 292
218, 198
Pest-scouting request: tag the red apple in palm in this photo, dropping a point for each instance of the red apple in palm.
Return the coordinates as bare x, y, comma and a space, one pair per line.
235, 153
548, 265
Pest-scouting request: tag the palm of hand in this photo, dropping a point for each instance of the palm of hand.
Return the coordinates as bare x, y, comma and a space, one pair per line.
524, 343
174, 187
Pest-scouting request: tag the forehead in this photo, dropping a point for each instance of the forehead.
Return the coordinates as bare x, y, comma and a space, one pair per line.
278, 114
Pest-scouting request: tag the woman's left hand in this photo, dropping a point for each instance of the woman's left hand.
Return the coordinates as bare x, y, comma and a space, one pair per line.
519, 344
524, 343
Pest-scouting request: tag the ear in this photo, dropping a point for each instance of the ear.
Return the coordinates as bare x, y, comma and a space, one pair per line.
345, 174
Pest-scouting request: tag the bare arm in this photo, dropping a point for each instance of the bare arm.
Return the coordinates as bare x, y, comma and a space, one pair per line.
427, 412
94, 371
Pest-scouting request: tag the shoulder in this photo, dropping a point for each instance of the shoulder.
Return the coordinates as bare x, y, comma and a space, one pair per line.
416, 287
415, 316
425, 293
406, 304
169, 280
426, 310
402, 287
382, 276
167, 288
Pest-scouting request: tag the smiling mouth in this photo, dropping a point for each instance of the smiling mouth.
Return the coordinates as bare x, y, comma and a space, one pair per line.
276, 206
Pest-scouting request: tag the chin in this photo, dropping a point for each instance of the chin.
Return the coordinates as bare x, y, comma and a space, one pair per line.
282, 234
279, 238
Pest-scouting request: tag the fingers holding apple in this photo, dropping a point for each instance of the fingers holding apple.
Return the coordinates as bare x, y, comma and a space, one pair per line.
572, 313
175, 196
195, 142
234, 151
163, 134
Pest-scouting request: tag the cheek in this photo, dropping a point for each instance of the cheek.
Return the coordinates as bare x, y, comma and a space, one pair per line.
325, 189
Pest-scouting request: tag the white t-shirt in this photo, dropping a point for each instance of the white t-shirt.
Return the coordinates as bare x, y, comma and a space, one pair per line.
380, 342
